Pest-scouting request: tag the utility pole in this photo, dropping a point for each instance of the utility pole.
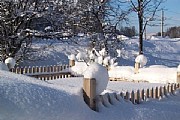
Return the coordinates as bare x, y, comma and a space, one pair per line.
162, 23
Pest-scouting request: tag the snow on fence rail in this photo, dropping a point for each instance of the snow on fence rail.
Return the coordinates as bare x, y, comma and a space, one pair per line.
136, 97
44, 72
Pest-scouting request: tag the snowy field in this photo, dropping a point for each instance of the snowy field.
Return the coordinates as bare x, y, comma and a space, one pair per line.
158, 52
25, 98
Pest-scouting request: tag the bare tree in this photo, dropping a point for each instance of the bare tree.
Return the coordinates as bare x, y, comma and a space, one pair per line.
16, 21
22, 20
145, 10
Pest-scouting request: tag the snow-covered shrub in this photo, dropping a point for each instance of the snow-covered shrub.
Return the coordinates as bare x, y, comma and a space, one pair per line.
3, 66
141, 59
100, 57
81, 56
100, 73
10, 62
79, 68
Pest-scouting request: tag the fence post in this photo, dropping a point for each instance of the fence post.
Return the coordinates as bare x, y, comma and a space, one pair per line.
71, 63
89, 89
148, 93
122, 95
172, 88
138, 99
165, 91
136, 67
161, 92
132, 97
156, 93
127, 96
152, 92
142, 94
168, 89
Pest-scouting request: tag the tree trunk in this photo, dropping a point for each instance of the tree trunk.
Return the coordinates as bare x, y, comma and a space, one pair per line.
140, 35
140, 18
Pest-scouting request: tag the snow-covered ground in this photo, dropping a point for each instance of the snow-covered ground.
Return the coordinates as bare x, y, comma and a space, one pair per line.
25, 98
22, 97
158, 52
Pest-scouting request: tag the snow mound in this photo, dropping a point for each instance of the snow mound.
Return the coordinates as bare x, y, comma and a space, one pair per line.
123, 72
122, 37
25, 98
72, 57
100, 73
158, 66
178, 69
156, 75
141, 59
79, 68
155, 38
11, 61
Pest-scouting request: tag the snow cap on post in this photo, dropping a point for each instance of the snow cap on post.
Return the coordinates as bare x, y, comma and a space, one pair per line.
10, 62
100, 73
72, 57
141, 59
178, 69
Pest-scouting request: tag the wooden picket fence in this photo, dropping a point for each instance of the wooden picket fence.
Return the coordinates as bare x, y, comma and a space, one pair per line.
136, 97
45, 72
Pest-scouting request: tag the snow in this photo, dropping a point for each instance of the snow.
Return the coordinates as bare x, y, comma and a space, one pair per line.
151, 74
79, 68
100, 73
124, 72
72, 57
11, 61
178, 69
81, 56
122, 37
3, 66
141, 59
27, 98
22, 97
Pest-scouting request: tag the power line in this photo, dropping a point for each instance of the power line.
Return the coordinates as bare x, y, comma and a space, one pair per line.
173, 12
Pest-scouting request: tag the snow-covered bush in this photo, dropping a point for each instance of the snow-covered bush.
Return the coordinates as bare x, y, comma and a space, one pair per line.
100, 73
81, 56
10, 62
141, 59
100, 57
3, 66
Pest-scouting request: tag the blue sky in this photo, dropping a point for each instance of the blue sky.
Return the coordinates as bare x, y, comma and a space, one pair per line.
171, 14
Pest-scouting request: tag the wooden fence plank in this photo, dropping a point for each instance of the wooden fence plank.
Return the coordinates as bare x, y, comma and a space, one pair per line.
138, 98
133, 97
